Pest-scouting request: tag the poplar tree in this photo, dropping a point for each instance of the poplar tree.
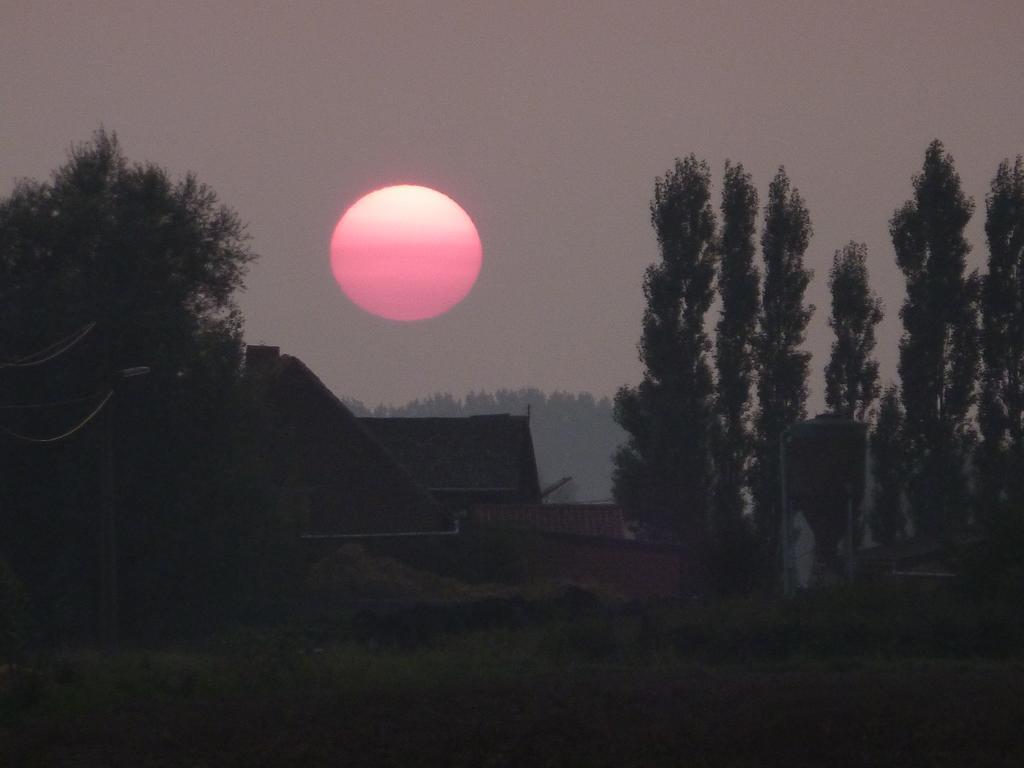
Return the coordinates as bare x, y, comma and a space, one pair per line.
782, 367
662, 473
1000, 456
939, 351
887, 521
739, 288
851, 376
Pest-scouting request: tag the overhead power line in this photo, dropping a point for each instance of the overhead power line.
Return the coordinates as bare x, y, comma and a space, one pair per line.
71, 338
65, 435
52, 404
51, 352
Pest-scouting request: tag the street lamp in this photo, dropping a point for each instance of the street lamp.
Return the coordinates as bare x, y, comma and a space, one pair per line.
129, 373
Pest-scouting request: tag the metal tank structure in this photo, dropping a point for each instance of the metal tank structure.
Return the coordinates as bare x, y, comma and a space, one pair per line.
822, 466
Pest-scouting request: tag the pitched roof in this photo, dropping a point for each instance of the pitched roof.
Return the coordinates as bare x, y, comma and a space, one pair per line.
493, 452
351, 483
604, 521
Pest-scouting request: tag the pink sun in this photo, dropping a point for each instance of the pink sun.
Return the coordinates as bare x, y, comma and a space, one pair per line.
406, 253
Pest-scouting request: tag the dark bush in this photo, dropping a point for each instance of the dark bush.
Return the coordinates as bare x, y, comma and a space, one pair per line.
14, 618
474, 556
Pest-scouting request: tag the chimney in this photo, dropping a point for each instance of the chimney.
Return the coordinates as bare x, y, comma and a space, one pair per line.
260, 359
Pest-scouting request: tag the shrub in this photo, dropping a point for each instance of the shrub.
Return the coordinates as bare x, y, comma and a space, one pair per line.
13, 613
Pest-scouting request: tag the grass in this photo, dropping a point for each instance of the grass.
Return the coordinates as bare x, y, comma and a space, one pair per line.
844, 678
351, 706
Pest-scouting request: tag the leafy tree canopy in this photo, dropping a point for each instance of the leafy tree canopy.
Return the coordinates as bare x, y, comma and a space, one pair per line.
939, 350
155, 263
781, 365
1000, 456
662, 473
888, 452
739, 287
851, 376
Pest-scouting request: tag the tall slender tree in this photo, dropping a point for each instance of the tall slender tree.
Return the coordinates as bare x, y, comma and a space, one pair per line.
662, 473
887, 521
782, 366
851, 376
739, 288
1000, 456
939, 349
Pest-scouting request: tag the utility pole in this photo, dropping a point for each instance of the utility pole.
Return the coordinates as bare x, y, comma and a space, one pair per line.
108, 535
108, 609
109, 631
850, 564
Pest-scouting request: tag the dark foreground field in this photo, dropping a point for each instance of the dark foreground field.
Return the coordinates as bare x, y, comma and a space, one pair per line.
347, 707
863, 677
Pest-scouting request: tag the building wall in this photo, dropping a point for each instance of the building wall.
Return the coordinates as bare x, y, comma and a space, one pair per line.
631, 569
595, 520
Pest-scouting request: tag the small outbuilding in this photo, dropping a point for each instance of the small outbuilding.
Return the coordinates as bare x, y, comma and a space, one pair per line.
464, 461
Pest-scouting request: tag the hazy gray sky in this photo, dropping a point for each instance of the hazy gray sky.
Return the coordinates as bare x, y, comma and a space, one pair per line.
547, 121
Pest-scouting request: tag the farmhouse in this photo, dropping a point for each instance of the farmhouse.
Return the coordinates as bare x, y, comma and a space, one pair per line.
414, 479
342, 481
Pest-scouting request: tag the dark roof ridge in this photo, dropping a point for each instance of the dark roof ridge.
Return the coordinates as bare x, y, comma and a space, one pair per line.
483, 452
446, 418
502, 418
286, 362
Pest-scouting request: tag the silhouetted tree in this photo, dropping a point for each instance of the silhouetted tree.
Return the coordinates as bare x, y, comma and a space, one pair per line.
155, 263
939, 349
851, 376
888, 453
782, 367
739, 288
663, 473
1000, 455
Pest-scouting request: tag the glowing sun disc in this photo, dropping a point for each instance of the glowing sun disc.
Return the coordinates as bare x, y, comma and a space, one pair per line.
406, 253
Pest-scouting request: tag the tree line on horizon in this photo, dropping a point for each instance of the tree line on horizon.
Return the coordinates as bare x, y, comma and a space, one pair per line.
704, 424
